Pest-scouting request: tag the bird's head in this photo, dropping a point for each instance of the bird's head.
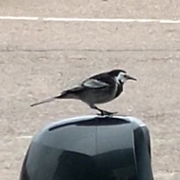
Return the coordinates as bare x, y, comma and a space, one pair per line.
121, 75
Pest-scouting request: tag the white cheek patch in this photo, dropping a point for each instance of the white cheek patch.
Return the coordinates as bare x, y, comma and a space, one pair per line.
121, 77
123, 80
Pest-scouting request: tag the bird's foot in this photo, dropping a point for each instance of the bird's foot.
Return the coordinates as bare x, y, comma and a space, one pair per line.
106, 113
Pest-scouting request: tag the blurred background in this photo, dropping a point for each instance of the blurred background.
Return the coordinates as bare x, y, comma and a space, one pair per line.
39, 59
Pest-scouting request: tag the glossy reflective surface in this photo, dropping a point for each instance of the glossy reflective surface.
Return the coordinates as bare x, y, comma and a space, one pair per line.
95, 149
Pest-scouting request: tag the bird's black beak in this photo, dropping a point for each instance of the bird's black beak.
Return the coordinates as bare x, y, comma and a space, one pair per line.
131, 78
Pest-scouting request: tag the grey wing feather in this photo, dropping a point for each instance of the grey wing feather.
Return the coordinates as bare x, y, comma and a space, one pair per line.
94, 83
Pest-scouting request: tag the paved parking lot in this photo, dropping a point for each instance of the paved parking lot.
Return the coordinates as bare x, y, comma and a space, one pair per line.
38, 59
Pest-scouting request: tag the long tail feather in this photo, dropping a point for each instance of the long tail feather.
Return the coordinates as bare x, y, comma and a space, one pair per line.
45, 101
68, 94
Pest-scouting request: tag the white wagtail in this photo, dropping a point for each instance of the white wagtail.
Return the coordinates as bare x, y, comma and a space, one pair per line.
97, 89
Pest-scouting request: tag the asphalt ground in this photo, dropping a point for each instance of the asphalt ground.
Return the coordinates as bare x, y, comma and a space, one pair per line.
39, 59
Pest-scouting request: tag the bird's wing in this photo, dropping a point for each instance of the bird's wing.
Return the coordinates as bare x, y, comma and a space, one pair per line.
94, 83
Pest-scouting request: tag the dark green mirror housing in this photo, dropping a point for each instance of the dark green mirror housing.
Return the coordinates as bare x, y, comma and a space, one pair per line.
90, 148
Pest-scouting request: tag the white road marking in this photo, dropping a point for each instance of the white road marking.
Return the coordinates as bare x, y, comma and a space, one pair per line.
121, 20
24, 137
19, 18
106, 20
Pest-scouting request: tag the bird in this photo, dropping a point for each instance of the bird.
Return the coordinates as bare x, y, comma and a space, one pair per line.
97, 89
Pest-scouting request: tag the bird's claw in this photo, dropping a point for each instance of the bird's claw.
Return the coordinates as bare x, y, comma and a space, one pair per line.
106, 113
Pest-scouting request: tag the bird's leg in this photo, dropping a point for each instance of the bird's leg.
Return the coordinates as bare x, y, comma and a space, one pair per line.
102, 112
